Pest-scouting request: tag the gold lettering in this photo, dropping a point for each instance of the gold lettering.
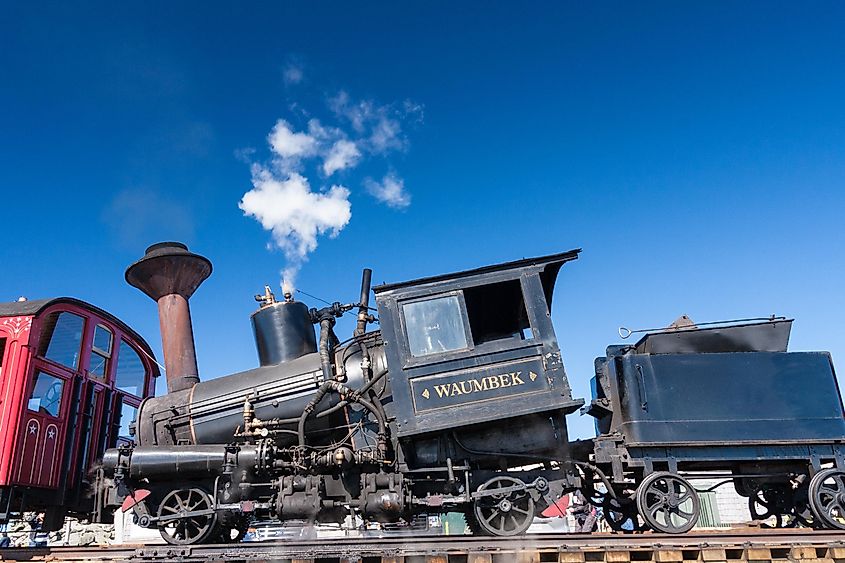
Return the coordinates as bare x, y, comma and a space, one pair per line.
456, 390
466, 387
504, 381
516, 379
493, 381
479, 386
442, 390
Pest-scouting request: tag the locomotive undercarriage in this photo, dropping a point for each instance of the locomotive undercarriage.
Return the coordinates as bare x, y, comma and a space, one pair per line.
658, 488
264, 482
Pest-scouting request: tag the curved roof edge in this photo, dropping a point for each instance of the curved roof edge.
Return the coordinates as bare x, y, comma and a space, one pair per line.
34, 307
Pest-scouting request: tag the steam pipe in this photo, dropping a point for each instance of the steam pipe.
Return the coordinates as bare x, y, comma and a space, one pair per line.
352, 397
364, 303
325, 352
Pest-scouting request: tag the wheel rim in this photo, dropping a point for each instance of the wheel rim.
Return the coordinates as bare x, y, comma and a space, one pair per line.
668, 503
186, 529
504, 514
827, 498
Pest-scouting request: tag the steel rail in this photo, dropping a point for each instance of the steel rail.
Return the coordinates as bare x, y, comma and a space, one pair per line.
406, 546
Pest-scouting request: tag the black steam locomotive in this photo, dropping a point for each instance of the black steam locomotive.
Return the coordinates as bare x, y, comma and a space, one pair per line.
459, 403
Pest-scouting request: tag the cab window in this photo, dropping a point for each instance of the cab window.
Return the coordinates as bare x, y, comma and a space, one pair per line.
46, 397
100, 352
131, 374
497, 312
434, 326
62, 338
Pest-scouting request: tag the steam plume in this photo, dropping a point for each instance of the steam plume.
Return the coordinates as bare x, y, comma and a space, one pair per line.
282, 198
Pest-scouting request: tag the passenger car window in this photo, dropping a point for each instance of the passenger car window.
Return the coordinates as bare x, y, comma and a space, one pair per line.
46, 397
100, 352
434, 326
61, 338
130, 370
127, 416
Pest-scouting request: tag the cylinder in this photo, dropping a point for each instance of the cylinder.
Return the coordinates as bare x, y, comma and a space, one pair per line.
283, 332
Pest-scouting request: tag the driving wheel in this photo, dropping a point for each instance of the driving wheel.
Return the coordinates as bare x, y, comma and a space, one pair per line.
827, 498
186, 516
506, 513
668, 503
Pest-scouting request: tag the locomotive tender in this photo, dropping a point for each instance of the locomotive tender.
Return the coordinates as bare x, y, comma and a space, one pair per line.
459, 403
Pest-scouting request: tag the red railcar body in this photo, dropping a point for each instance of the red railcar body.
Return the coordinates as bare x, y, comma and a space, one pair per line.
71, 379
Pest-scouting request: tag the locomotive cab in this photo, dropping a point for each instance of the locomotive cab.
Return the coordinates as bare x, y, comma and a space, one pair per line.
468, 347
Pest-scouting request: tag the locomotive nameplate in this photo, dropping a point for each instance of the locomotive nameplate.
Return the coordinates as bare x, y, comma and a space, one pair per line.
471, 386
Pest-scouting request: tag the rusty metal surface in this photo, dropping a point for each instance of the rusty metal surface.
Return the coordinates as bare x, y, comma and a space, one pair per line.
177, 340
169, 274
725, 545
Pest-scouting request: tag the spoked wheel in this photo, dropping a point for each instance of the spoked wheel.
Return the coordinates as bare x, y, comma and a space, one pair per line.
187, 517
668, 503
621, 514
508, 513
827, 498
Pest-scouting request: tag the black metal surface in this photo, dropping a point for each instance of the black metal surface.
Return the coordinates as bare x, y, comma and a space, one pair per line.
539, 353
753, 397
283, 332
212, 410
770, 336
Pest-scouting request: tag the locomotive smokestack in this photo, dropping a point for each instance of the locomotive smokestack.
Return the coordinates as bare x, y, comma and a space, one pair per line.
170, 274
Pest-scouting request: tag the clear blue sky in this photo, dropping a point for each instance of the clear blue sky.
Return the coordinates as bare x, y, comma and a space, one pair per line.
696, 151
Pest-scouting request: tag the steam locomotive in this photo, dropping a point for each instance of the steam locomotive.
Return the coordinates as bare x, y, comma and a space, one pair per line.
458, 403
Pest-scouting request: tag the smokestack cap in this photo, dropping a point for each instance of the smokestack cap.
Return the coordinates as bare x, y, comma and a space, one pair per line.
168, 268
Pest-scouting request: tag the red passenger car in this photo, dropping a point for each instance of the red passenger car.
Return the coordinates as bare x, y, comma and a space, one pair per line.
71, 379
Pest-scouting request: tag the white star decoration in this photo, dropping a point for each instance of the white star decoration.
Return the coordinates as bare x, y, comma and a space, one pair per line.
32, 428
51, 433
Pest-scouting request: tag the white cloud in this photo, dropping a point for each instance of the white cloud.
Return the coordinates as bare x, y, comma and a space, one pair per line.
293, 74
289, 144
282, 198
380, 126
343, 154
387, 136
294, 214
390, 191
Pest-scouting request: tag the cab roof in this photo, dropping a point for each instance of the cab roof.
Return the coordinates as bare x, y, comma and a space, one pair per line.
540, 262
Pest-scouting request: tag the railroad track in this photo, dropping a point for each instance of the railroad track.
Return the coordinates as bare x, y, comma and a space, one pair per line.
752, 545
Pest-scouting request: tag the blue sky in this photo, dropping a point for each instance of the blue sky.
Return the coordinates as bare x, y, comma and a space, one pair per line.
695, 151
